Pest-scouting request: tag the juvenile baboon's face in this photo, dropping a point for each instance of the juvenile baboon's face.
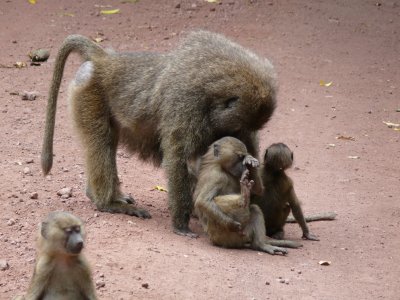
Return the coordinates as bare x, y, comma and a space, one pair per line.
64, 232
278, 157
230, 153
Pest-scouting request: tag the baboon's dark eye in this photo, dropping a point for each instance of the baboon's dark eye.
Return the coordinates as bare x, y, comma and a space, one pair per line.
68, 230
77, 229
230, 102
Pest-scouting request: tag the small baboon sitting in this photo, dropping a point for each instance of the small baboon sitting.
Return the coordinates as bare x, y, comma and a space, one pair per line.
222, 199
279, 197
61, 271
168, 108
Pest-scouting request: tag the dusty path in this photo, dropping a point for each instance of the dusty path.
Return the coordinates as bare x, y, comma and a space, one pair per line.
354, 44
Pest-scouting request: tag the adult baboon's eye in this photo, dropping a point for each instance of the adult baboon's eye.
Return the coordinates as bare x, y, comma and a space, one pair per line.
68, 230
230, 102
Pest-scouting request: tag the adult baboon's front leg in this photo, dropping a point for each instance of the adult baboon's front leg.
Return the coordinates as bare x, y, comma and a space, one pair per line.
179, 194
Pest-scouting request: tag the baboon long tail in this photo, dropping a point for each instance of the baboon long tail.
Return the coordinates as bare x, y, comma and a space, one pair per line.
86, 49
327, 216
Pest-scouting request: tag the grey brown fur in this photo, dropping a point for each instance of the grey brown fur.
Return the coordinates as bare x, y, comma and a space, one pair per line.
279, 197
166, 107
61, 271
222, 199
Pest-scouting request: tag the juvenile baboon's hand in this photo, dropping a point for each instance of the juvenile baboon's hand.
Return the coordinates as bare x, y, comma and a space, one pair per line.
250, 161
234, 226
310, 236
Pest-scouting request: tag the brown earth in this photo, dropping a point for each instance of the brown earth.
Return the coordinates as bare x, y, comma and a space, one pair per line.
354, 44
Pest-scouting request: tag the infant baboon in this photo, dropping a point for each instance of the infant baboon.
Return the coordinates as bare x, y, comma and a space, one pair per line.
168, 108
222, 199
61, 271
279, 197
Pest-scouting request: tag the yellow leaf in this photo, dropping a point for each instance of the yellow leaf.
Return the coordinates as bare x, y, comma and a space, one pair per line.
110, 11
212, 1
397, 129
347, 138
323, 83
391, 125
324, 262
160, 188
98, 39
67, 14
20, 64
32, 1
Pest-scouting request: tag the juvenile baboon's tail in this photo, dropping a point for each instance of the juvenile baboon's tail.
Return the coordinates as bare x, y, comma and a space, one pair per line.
326, 216
87, 49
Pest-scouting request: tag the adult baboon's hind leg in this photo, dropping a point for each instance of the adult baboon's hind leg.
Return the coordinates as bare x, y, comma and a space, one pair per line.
100, 139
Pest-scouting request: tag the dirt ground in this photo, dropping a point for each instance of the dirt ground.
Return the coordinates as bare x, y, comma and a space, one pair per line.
353, 44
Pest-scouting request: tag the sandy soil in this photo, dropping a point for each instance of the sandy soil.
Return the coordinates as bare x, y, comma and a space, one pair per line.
353, 44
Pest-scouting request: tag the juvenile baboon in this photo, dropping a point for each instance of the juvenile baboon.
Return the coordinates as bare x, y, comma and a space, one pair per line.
166, 107
61, 271
279, 197
222, 199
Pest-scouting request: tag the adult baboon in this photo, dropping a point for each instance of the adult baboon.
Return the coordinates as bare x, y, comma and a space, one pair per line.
168, 108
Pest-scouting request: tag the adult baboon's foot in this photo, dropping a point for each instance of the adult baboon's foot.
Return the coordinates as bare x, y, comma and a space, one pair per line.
185, 231
125, 208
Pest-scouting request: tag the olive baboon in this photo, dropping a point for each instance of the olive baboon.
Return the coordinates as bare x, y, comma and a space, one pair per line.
168, 108
279, 197
61, 271
222, 199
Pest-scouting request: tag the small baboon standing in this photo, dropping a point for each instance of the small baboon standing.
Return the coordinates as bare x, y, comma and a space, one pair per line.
279, 197
168, 108
222, 199
61, 271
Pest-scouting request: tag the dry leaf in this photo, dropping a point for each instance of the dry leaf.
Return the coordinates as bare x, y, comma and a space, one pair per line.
347, 138
129, 1
67, 14
323, 83
212, 1
324, 262
110, 11
391, 125
98, 39
6, 67
32, 1
29, 95
397, 129
353, 157
159, 188
20, 64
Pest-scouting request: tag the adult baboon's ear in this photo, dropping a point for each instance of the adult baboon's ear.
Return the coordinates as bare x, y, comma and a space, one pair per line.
217, 149
43, 229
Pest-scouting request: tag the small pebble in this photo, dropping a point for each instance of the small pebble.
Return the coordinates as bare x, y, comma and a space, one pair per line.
34, 195
100, 283
39, 55
4, 265
65, 193
11, 222
145, 285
